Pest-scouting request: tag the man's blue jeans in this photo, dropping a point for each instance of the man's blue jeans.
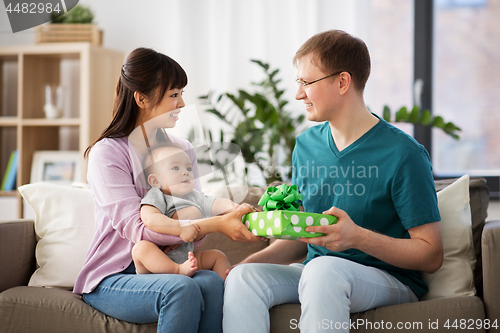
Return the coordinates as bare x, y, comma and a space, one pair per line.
177, 302
328, 289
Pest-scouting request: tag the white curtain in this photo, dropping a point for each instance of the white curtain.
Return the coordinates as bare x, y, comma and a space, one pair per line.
214, 40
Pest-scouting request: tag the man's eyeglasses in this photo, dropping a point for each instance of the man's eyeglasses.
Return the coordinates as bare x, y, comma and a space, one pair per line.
305, 84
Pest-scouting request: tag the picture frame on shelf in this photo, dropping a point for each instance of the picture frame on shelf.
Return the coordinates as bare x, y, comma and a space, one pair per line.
57, 167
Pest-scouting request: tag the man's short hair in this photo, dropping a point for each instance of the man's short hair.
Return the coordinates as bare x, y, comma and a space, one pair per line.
334, 51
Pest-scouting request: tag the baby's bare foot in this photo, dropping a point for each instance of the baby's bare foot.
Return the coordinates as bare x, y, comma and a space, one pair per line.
189, 266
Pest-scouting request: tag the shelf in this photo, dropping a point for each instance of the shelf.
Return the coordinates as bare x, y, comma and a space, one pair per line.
60, 50
88, 75
14, 121
8, 193
51, 122
8, 121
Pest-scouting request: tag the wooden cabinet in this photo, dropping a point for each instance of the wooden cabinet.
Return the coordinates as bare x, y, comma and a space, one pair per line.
24, 73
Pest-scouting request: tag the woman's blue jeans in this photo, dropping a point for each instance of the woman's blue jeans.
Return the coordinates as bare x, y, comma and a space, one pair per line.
177, 302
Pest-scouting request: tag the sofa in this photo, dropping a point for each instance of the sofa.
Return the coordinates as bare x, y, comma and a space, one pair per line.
41, 309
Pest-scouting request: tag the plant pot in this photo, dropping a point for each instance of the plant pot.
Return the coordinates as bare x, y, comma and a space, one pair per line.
65, 33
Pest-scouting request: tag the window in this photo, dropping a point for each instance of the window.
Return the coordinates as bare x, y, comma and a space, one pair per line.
466, 83
391, 52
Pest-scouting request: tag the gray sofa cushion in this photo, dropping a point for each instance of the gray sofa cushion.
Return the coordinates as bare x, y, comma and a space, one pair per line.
284, 318
52, 310
18, 253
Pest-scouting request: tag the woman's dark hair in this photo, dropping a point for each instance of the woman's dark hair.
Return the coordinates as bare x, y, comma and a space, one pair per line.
146, 71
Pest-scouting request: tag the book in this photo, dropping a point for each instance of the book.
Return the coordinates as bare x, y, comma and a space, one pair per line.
7, 169
10, 183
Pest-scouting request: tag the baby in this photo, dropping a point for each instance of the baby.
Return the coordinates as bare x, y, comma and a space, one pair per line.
173, 194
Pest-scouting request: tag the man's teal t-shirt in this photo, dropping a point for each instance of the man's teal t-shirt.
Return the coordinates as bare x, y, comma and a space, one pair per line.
383, 181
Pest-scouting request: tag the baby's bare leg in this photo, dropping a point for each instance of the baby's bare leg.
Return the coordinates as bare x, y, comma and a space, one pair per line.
214, 260
148, 258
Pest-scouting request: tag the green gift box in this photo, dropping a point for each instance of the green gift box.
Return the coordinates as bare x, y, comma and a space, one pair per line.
286, 224
282, 218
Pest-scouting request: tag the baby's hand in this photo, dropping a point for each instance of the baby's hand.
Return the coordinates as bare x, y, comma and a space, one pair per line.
189, 232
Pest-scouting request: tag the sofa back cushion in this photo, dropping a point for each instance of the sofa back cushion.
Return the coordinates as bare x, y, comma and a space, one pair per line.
64, 227
479, 199
17, 253
455, 278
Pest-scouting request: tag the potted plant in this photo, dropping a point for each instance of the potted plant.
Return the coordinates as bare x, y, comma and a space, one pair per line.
74, 26
80, 14
260, 124
418, 117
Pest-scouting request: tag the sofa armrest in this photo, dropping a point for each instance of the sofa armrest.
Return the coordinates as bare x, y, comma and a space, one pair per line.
17, 253
490, 244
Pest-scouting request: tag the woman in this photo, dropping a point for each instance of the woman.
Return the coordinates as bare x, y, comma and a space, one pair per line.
149, 98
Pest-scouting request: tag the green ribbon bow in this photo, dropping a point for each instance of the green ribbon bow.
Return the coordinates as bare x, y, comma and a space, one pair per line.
283, 197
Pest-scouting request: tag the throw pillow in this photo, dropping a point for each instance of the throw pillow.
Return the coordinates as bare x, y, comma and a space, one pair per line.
64, 227
455, 277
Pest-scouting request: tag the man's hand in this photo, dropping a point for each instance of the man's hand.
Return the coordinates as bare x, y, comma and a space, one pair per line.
423, 251
339, 237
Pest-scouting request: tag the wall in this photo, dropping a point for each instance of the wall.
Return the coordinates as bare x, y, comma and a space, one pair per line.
214, 40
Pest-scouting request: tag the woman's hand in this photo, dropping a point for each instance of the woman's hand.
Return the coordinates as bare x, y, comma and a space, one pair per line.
339, 237
233, 227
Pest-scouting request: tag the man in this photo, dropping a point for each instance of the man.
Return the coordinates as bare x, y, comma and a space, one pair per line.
373, 177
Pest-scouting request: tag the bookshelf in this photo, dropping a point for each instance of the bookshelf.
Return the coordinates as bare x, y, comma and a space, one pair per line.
24, 72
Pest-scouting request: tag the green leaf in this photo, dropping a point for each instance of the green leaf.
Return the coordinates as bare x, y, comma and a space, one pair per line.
415, 112
240, 103
450, 128
79, 14
402, 114
282, 104
425, 119
261, 64
273, 74
244, 95
386, 114
438, 122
